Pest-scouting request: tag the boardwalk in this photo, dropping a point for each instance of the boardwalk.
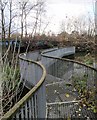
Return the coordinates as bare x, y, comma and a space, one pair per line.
59, 99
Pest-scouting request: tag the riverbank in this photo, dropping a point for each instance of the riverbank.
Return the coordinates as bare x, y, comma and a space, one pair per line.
85, 58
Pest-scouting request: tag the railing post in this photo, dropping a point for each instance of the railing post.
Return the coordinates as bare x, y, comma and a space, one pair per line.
41, 100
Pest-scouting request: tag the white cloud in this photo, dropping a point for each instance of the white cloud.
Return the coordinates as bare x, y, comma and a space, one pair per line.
70, 1
59, 9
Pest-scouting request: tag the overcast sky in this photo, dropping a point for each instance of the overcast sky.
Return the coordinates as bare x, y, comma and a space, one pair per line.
57, 10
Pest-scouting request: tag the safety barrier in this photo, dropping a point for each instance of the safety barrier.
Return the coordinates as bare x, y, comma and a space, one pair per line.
62, 82
68, 81
33, 104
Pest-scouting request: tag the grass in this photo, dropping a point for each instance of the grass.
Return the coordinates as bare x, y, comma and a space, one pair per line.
85, 94
85, 58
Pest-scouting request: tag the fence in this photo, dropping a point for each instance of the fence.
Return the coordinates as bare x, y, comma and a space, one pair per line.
67, 81
33, 104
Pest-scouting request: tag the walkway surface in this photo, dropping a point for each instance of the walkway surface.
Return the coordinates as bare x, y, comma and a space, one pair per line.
62, 97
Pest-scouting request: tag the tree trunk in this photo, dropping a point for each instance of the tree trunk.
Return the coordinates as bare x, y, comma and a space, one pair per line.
2, 22
10, 20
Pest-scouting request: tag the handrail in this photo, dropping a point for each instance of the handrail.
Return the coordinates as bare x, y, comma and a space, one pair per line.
73, 70
67, 102
13, 110
68, 60
16, 107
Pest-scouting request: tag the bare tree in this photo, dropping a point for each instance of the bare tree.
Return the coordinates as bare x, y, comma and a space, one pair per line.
2, 9
10, 19
27, 9
11, 80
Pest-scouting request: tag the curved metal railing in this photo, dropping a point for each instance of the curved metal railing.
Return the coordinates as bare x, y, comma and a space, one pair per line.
69, 82
63, 95
31, 104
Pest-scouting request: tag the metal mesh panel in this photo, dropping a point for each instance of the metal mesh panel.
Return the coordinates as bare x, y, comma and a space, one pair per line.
68, 81
69, 110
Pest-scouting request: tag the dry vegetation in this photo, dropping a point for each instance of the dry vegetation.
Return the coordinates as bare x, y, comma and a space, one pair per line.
15, 26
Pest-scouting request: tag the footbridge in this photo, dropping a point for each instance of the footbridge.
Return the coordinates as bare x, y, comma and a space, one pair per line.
57, 87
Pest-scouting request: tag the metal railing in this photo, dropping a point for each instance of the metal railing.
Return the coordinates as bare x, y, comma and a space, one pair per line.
33, 104
61, 109
69, 110
62, 82
67, 81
